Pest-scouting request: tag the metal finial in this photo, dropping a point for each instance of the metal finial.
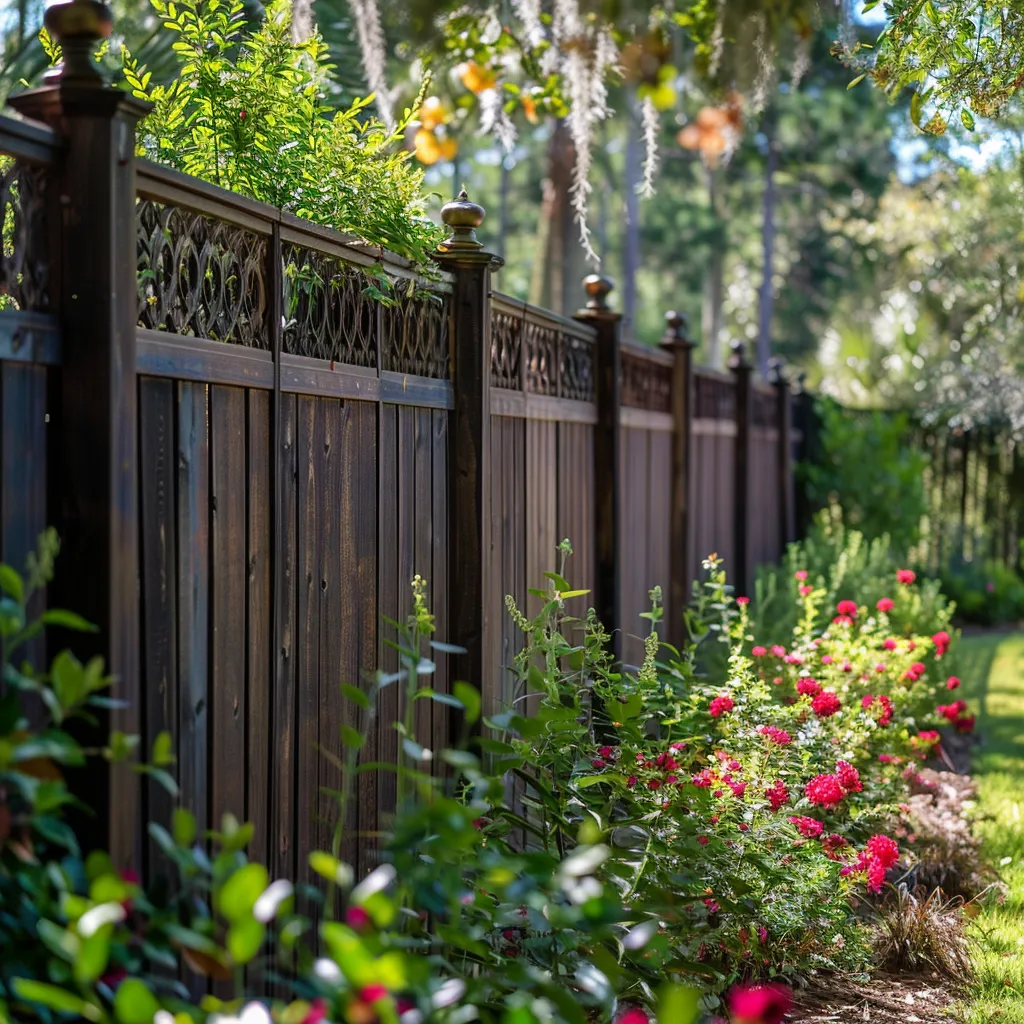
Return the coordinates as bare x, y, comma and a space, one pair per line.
78, 25
676, 330
738, 361
462, 217
598, 287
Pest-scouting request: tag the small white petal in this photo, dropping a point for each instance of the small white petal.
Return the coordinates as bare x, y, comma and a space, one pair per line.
449, 993
266, 906
255, 1013
378, 879
327, 970
96, 917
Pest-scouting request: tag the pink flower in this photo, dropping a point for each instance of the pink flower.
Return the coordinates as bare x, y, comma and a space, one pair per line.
847, 608
759, 1003
703, 840
778, 795
888, 759
704, 779
832, 844
952, 683
867, 700
826, 659
807, 827
842, 620
317, 1012
890, 644
762, 933
849, 777
779, 736
605, 751
826, 704
738, 789
906, 576
880, 667
654, 784
884, 849
800, 574
808, 687
846, 667
876, 875
942, 642
713, 907
965, 724
634, 1017
806, 591
758, 652
886, 716
794, 659
720, 705
631, 781
598, 763
825, 790
778, 650
357, 918
742, 600
885, 604
373, 993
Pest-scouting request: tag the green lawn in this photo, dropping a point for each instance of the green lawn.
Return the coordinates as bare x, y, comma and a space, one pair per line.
992, 668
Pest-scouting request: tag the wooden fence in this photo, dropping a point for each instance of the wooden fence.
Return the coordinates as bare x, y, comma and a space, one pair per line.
249, 458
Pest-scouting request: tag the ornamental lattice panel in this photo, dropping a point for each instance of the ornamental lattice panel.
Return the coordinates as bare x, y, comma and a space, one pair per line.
646, 383
576, 368
714, 397
540, 344
765, 408
506, 349
328, 313
24, 262
200, 277
415, 337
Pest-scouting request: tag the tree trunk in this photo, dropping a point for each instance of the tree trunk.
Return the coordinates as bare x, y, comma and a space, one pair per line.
767, 297
714, 280
631, 235
503, 218
302, 20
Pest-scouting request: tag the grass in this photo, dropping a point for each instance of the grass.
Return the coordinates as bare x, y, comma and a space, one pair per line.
992, 669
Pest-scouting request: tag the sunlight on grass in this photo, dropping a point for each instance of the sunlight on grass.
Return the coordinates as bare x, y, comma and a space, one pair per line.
993, 675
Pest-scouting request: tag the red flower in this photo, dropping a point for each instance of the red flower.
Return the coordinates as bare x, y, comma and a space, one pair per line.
888, 759
826, 704
827, 659
832, 844
703, 840
373, 993
114, 977
605, 751
808, 827
779, 736
631, 781
886, 717
965, 724
885, 604
876, 875
357, 918
758, 652
952, 683
808, 687
759, 1004
884, 850
847, 608
890, 644
825, 790
720, 705
713, 907
800, 574
842, 620
941, 641
867, 700
704, 779
738, 789
778, 795
779, 651
742, 600
806, 591
848, 776
598, 763
654, 784
906, 576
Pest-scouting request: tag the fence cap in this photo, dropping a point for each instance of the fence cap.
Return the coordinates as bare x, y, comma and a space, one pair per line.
598, 288
738, 362
777, 372
462, 217
78, 25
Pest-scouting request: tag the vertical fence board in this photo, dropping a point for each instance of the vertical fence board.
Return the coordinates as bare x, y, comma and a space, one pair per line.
159, 572
228, 513
310, 448
541, 506
287, 578
193, 499
659, 518
259, 612
439, 589
387, 575
423, 547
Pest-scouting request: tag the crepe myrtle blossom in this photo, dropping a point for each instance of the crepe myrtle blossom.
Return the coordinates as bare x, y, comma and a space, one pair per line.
825, 790
720, 705
808, 687
905, 576
779, 736
952, 683
889, 644
806, 590
758, 652
810, 828
885, 604
778, 795
847, 608
849, 777
826, 704
942, 641
800, 574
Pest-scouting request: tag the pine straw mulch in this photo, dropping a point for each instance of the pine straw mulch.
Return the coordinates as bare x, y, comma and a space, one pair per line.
884, 999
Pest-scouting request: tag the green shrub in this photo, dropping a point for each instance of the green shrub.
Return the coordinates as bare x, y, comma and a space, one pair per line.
986, 593
867, 466
843, 562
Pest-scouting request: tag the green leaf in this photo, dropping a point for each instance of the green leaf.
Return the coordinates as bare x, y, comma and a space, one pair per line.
856, 81
331, 868
678, 1004
11, 583
67, 620
93, 956
916, 102
469, 697
245, 939
559, 582
968, 119
352, 737
54, 998
163, 750
134, 1003
241, 891
184, 827
354, 694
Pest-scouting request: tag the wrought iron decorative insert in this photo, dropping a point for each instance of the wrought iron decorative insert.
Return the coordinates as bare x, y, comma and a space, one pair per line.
328, 313
415, 336
200, 277
24, 259
714, 397
506, 350
646, 383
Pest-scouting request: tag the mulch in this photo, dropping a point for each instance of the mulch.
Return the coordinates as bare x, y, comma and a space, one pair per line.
881, 999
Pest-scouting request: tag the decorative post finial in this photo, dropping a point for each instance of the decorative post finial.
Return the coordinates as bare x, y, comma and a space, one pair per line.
598, 287
78, 25
677, 327
777, 372
462, 218
738, 360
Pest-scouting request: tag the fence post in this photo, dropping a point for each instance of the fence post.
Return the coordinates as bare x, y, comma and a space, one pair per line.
607, 433
676, 342
95, 427
469, 472
741, 369
784, 414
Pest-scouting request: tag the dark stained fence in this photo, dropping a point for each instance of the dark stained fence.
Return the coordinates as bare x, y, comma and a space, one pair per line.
293, 451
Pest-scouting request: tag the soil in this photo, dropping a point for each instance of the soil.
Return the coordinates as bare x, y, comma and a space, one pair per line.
883, 999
